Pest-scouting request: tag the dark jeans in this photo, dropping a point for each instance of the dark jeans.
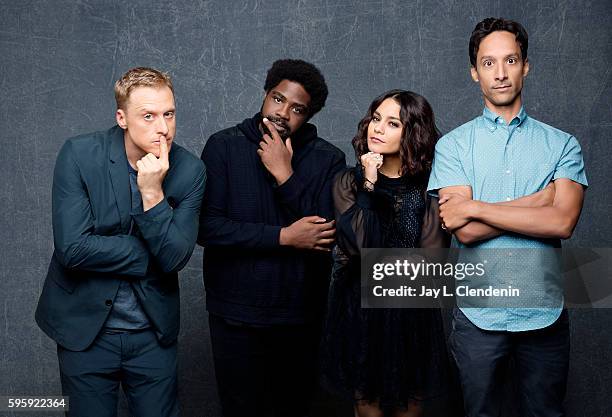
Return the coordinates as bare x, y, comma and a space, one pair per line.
263, 371
146, 370
541, 359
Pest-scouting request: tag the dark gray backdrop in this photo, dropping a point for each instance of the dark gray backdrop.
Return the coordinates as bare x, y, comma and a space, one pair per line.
61, 58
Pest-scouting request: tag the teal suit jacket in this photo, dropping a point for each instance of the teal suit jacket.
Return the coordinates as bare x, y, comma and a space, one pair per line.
94, 249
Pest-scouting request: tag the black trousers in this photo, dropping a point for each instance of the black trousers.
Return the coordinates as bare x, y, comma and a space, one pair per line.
264, 371
146, 370
541, 359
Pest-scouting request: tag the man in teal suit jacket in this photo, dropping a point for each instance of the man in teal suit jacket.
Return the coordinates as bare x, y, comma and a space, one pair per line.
126, 203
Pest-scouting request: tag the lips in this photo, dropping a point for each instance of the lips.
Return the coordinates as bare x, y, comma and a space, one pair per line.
279, 123
376, 140
279, 126
501, 87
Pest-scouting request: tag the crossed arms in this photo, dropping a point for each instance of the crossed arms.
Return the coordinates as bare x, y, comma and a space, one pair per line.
550, 213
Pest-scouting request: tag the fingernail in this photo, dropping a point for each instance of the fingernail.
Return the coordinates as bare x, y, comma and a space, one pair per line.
265, 119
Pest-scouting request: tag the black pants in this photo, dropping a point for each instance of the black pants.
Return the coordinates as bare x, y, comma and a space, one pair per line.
541, 359
146, 370
264, 371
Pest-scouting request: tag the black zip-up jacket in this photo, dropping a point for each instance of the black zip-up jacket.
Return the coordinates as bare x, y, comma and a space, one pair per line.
248, 276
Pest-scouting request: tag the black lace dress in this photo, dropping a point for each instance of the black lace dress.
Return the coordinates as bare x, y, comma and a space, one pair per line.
391, 356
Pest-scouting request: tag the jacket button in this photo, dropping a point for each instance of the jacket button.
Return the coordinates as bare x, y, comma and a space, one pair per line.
108, 302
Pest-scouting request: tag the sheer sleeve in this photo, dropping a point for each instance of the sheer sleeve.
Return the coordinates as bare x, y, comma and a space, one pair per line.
358, 214
432, 235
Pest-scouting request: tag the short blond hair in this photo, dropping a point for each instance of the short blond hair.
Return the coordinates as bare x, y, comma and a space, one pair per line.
139, 77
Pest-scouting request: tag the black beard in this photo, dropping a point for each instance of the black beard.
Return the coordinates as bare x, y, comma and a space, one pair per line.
283, 132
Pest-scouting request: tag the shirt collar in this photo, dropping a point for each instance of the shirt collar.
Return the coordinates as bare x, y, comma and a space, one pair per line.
494, 119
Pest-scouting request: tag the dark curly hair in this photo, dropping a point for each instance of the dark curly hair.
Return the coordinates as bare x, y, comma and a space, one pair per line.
493, 24
419, 132
303, 73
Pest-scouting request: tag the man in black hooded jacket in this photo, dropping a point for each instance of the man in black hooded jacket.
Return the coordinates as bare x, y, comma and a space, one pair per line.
267, 227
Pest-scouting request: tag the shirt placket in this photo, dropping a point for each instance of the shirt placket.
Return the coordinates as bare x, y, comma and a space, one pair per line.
509, 190
509, 166
504, 134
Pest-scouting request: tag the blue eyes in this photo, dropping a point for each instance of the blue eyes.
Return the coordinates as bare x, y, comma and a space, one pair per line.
149, 117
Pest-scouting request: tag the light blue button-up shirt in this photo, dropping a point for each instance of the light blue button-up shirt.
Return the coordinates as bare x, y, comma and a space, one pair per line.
502, 163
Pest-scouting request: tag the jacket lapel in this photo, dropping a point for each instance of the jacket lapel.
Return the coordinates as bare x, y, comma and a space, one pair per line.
119, 176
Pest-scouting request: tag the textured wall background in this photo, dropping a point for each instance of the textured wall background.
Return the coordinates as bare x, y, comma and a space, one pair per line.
61, 58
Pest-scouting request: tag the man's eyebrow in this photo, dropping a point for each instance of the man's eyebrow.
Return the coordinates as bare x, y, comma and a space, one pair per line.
511, 55
285, 98
145, 109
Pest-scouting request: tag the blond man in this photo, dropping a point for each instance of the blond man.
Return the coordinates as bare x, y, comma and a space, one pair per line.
125, 218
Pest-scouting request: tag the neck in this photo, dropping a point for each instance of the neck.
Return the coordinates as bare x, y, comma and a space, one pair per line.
391, 166
508, 112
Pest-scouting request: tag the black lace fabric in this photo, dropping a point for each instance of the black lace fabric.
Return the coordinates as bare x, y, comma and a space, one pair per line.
389, 356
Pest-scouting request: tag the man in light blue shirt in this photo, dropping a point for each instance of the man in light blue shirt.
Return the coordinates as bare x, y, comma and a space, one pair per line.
506, 180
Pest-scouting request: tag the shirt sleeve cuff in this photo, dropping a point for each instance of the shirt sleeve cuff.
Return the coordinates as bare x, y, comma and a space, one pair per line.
271, 236
580, 179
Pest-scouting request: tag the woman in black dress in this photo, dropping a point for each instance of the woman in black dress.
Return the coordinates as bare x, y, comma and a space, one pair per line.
386, 360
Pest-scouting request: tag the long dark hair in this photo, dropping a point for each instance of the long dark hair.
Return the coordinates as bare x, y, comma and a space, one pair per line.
419, 132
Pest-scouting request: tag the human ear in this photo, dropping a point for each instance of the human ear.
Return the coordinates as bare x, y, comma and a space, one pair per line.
121, 119
474, 74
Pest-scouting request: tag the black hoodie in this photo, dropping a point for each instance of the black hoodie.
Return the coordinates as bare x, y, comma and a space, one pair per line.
248, 276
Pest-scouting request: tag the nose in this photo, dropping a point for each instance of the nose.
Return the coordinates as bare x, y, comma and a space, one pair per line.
283, 111
162, 126
378, 128
501, 73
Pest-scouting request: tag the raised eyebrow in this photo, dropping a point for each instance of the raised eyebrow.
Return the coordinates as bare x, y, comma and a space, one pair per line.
145, 110
512, 55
